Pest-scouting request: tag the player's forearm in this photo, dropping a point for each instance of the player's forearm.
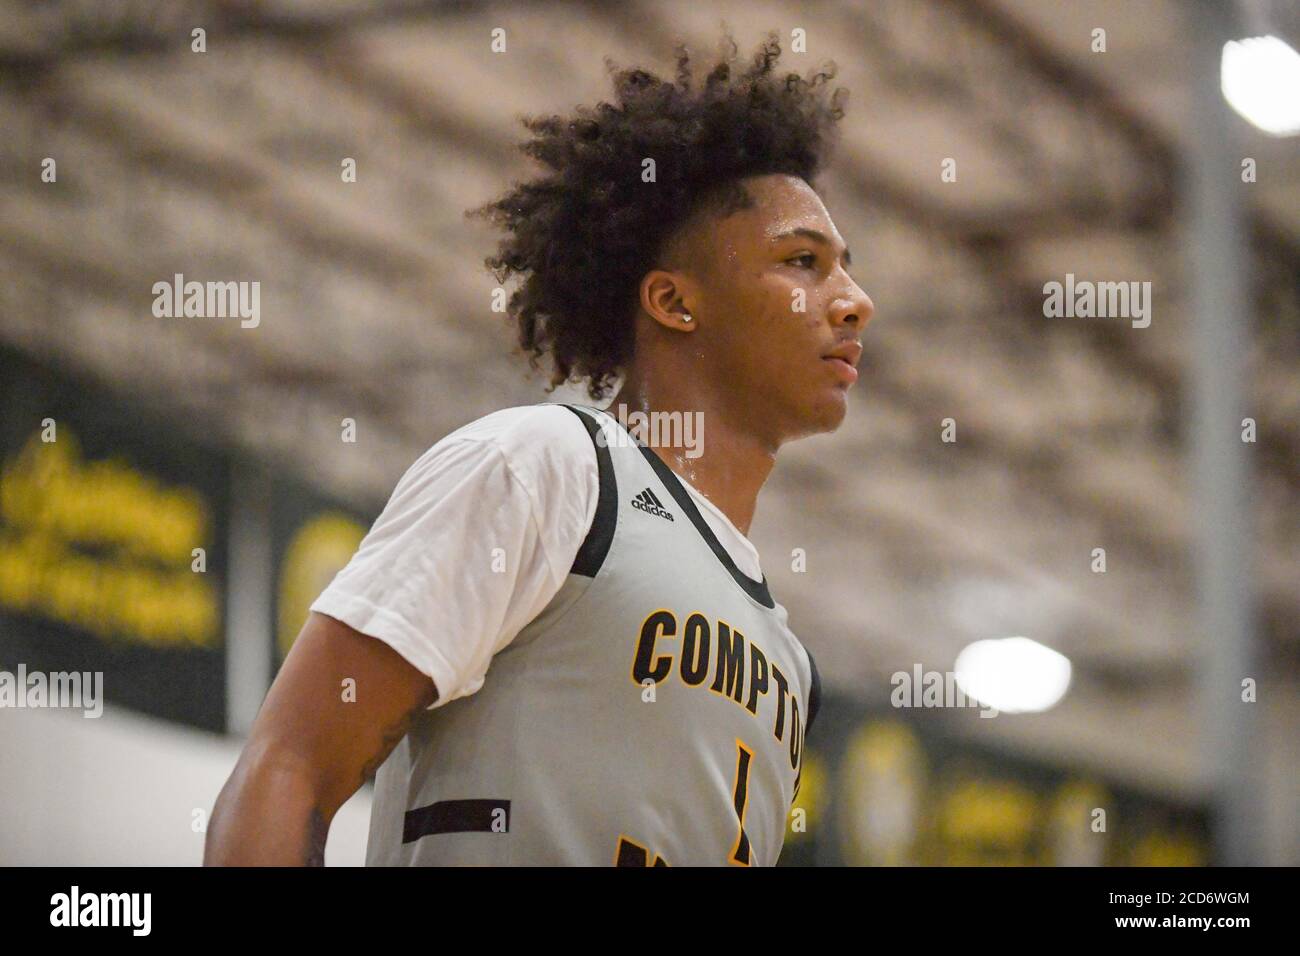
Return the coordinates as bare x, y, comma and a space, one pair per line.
270, 813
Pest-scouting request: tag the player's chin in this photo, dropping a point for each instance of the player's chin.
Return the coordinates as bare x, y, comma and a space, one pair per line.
827, 409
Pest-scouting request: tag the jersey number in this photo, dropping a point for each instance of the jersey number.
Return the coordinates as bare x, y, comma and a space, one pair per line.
631, 853
740, 800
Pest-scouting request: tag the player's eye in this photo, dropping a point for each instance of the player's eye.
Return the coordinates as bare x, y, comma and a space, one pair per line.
809, 256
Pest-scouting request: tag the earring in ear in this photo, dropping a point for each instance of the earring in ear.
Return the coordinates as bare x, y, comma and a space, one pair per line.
686, 317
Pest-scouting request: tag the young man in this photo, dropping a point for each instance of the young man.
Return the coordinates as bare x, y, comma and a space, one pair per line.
564, 649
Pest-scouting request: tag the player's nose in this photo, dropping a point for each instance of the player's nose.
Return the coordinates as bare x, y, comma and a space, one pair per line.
853, 307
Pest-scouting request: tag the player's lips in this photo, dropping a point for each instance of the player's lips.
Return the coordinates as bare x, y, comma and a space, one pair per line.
845, 357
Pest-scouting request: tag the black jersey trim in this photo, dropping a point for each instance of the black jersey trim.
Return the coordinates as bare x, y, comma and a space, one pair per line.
757, 590
595, 546
456, 816
814, 693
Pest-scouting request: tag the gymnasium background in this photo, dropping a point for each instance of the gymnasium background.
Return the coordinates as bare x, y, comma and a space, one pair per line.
1118, 490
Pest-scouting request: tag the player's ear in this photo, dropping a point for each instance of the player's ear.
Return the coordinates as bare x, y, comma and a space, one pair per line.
665, 297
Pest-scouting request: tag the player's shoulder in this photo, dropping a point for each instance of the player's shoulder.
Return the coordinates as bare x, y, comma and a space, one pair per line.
540, 443
524, 427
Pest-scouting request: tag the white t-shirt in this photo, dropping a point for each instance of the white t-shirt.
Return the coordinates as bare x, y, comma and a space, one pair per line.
476, 539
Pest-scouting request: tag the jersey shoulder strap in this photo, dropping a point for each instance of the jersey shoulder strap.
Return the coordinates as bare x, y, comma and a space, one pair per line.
595, 546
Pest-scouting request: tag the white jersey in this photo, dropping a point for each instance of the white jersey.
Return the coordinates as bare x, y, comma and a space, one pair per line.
652, 713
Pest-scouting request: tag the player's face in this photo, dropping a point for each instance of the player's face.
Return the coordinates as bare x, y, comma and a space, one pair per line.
775, 303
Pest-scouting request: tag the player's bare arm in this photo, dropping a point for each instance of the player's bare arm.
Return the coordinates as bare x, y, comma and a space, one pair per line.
312, 746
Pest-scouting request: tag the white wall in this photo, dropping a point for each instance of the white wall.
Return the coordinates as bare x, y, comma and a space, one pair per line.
121, 789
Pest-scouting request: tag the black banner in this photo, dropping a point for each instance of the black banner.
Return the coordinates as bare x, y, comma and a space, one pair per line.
915, 908
112, 548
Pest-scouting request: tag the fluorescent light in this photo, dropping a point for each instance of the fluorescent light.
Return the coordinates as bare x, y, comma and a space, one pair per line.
1260, 78
1013, 675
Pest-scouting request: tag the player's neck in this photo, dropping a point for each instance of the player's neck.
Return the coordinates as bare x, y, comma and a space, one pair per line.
712, 448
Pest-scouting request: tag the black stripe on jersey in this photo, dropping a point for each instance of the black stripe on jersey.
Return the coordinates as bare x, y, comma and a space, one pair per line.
814, 693
596, 545
453, 816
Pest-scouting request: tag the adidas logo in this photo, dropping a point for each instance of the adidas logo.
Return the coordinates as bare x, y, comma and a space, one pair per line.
647, 502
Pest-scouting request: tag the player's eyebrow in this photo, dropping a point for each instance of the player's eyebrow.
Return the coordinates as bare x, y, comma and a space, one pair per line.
816, 236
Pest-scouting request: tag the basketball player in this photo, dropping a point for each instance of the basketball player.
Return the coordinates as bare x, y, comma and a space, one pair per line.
556, 644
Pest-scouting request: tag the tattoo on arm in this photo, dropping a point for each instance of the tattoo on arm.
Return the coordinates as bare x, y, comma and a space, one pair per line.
317, 832
394, 734
317, 826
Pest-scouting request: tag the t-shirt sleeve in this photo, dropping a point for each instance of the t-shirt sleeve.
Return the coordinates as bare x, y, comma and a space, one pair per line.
476, 539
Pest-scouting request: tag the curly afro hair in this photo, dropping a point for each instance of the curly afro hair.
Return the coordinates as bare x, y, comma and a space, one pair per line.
584, 233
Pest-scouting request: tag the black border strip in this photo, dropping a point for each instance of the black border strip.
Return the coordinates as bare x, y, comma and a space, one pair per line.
453, 816
595, 546
814, 693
